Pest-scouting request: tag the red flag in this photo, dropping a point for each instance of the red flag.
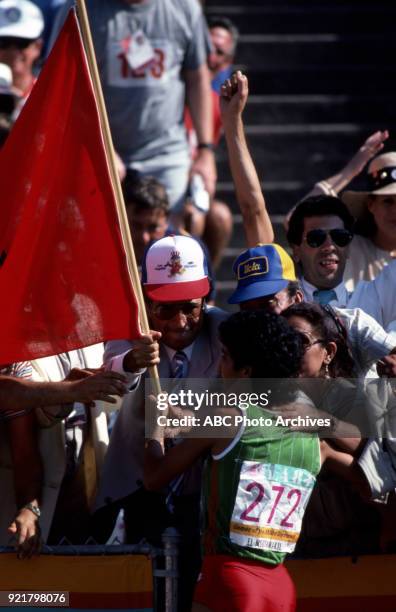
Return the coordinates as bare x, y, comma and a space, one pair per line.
63, 276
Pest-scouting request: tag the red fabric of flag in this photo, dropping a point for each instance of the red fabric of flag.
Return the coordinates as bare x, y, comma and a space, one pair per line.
63, 274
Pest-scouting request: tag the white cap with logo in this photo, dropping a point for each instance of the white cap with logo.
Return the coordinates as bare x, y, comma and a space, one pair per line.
20, 19
174, 269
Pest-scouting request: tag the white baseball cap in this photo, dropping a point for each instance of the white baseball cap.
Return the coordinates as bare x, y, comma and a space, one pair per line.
20, 19
174, 269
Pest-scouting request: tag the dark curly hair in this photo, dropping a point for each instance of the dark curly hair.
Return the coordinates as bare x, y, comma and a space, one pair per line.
263, 341
326, 325
317, 206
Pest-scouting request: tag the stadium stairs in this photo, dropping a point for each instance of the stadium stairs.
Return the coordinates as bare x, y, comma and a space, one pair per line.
322, 78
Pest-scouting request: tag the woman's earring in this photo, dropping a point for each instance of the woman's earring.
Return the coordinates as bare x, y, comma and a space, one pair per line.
327, 373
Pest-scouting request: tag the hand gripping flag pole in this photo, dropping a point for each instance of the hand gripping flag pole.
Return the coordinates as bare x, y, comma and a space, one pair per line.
119, 199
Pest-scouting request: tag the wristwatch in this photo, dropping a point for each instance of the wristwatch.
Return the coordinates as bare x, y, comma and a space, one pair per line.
35, 509
206, 145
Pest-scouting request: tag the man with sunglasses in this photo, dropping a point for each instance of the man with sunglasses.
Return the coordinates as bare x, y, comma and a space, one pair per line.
224, 38
320, 228
320, 231
183, 343
21, 27
265, 272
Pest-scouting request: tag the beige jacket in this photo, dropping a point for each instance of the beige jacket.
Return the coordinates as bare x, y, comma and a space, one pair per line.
52, 441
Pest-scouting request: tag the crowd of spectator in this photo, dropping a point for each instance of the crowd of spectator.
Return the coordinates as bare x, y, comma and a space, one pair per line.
74, 452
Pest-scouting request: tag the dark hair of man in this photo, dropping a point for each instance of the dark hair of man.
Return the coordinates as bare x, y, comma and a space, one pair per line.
263, 341
317, 206
144, 192
226, 24
326, 325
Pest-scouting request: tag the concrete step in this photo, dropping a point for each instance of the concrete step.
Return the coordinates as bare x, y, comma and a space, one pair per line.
312, 78
270, 109
311, 5
288, 51
279, 196
301, 153
301, 17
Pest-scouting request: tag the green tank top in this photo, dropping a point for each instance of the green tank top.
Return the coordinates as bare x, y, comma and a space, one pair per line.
256, 492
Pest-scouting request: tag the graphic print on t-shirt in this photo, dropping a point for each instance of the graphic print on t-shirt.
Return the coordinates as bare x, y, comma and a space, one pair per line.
129, 64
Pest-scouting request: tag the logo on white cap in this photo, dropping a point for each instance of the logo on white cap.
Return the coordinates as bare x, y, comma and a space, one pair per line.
174, 268
20, 19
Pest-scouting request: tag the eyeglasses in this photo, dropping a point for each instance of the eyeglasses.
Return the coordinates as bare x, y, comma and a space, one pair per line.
316, 237
167, 311
11, 41
220, 52
308, 340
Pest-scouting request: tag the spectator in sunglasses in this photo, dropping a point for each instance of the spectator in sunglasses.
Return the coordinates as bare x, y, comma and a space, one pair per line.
21, 28
320, 230
374, 210
183, 343
224, 37
367, 336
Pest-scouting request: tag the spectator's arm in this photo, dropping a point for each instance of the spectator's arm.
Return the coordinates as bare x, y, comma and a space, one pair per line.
18, 395
28, 480
256, 221
200, 104
336, 183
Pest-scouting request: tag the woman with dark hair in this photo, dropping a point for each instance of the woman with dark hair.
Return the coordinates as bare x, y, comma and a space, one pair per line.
257, 480
337, 520
327, 352
374, 245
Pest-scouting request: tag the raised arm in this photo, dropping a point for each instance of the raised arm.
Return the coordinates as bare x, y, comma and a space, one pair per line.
256, 221
336, 183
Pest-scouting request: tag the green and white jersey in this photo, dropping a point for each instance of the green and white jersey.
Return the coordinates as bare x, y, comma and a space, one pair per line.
257, 490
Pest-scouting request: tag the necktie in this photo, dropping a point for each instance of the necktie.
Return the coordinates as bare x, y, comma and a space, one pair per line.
179, 365
324, 296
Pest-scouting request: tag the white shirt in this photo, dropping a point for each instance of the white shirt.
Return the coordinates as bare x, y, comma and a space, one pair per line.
377, 297
365, 261
368, 341
366, 337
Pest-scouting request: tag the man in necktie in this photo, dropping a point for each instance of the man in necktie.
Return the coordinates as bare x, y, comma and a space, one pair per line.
324, 296
183, 342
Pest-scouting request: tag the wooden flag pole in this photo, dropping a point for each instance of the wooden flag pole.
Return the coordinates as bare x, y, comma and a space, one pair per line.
111, 160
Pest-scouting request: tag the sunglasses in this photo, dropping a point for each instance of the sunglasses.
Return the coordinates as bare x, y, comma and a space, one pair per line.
220, 52
308, 341
167, 311
316, 237
10, 41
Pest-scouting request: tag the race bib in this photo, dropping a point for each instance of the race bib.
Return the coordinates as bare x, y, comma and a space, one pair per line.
270, 505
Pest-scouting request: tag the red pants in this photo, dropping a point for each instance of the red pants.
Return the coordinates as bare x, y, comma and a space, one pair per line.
239, 585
